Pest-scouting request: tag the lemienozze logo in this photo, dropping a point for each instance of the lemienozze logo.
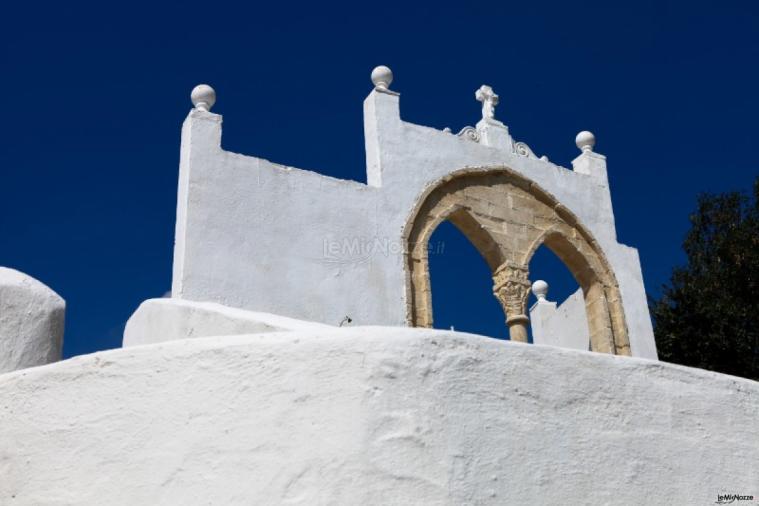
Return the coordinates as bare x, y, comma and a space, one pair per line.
731, 498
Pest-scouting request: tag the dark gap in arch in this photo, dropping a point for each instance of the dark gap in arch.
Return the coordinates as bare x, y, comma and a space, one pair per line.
462, 286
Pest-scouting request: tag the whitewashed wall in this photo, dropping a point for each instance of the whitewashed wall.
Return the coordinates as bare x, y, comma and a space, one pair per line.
31, 322
256, 235
385, 416
565, 325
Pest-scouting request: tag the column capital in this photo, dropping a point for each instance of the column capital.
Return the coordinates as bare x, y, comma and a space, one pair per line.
511, 286
510, 272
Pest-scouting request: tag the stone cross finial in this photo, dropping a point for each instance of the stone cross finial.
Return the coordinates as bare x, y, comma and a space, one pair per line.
489, 100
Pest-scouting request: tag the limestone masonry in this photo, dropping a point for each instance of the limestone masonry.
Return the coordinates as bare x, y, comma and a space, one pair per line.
286, 368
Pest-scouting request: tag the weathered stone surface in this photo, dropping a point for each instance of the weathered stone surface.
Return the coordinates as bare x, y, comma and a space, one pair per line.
375, 416
31, 322
470, 199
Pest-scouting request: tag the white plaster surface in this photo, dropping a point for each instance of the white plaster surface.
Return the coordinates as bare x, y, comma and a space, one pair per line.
385, 416
159, 320
265, 237
31, 322
565, 326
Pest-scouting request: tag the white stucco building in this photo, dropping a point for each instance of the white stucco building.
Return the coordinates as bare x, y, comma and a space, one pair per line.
256, 235
245, 388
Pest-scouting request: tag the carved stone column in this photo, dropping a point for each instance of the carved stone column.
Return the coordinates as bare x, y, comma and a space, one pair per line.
511, 287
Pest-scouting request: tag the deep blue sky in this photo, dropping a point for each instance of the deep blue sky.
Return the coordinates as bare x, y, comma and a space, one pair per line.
94, 98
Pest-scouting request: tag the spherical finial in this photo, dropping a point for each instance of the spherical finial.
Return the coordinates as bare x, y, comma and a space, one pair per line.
203, 97
540, 289
382, 77
585, 141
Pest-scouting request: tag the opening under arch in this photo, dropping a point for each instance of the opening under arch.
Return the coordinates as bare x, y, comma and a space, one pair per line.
507, 217
462, 285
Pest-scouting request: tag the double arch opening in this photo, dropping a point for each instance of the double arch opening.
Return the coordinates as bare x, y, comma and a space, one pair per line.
507, 218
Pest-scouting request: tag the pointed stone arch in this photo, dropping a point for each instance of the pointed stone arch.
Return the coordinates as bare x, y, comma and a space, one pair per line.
603, 307
417, 253
507, 217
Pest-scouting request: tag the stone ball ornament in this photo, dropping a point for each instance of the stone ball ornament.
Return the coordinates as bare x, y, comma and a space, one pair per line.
585, 141
203, 97
540, 289
382, 77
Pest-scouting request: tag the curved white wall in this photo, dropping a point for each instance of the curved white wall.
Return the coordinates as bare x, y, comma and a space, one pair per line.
372, 415
31, 322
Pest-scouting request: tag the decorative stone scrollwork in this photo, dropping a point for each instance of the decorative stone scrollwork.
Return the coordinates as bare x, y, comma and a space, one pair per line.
524, 150
469, 133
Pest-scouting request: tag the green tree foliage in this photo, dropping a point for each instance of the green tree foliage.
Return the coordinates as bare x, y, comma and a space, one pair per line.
708, 315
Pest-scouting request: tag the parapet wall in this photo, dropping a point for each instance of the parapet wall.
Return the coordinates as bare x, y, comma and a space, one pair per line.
372, 416
31, 322
264, 237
